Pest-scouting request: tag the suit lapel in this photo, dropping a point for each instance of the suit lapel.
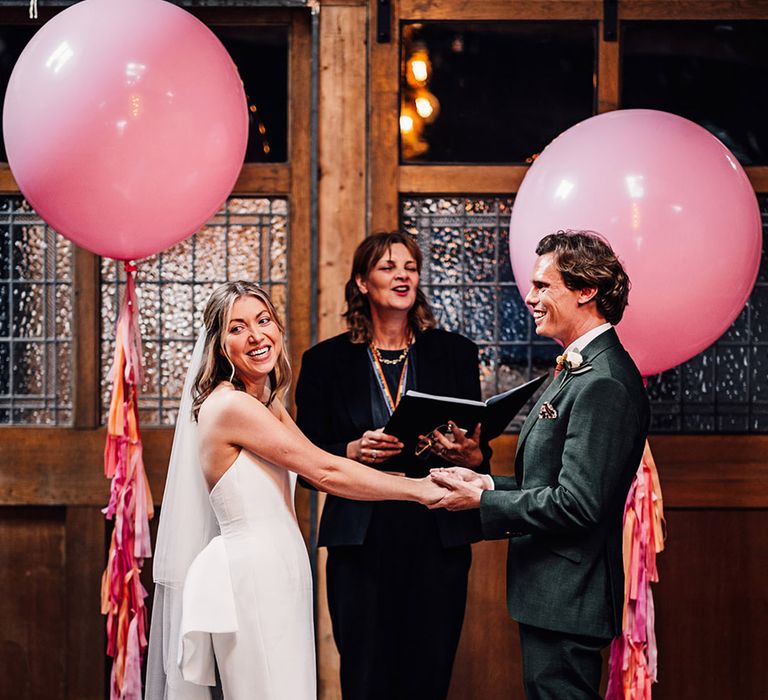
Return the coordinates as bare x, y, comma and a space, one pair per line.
599, 345
353, 379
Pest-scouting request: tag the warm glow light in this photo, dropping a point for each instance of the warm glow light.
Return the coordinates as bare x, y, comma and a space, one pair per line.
423, 107
59, 57
406, 123
419, 70
135, 105
635, 215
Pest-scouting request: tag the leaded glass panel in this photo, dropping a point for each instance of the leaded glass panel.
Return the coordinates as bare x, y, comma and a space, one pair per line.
35, 319
468, 277
247, 239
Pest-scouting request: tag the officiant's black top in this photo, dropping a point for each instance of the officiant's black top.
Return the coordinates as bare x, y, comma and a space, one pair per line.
334, 407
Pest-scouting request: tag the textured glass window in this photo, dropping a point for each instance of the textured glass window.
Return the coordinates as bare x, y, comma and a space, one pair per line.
492, 92
247, 240
35, 319
468, 278
714, 73
261, 57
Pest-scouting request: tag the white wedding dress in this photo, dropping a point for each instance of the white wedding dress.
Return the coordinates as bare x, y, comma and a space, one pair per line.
247, 596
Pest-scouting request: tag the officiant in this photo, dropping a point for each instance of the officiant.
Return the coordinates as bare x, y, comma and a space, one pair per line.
396, 572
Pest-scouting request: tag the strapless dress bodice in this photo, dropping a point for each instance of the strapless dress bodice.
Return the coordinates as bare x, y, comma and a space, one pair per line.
253, 494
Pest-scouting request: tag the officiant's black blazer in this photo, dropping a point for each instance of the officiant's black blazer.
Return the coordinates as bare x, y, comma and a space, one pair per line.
563, 509
333, 402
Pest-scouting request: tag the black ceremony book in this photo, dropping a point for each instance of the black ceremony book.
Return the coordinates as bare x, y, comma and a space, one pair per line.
419, 413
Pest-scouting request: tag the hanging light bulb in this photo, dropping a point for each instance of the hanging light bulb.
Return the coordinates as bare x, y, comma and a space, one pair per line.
427, 105
411, 127
418, 67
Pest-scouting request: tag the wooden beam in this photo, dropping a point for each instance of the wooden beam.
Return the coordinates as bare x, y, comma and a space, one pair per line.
758, 176
462, 10
86, 351
58, 466
7, 181
461, 179
299, 259
383, 129
608, 73
264, 178
696, 471
342, 153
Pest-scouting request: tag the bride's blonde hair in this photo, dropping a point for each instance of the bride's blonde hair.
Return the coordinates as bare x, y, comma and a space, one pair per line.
216, 366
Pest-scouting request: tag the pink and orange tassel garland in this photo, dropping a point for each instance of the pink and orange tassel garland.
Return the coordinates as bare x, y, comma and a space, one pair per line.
130, 506
634, 656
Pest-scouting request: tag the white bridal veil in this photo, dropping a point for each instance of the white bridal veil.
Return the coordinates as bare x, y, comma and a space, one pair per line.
187, 525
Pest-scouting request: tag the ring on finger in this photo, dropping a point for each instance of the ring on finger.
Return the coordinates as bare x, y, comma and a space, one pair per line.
373, 454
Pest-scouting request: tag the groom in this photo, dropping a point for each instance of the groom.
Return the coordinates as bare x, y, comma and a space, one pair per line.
576, 455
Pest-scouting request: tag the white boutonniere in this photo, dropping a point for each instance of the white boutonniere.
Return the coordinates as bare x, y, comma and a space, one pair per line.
572, 362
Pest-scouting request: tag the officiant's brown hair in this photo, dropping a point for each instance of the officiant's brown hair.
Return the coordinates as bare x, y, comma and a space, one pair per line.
358, 311
216, 367
586, 259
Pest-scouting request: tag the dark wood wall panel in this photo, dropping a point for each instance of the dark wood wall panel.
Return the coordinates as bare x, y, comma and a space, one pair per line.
711, 613
712, 606
488, 659
33, 638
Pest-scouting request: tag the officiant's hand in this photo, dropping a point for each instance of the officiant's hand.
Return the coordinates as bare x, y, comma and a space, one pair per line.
457, 447
463, 494
374, 447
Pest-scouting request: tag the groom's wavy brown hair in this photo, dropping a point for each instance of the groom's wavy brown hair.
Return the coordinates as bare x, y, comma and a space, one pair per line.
586, 259
216, 366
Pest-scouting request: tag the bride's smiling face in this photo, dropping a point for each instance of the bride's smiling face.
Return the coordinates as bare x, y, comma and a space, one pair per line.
252, 339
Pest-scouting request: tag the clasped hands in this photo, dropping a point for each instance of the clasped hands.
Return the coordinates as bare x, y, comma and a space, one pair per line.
461, 487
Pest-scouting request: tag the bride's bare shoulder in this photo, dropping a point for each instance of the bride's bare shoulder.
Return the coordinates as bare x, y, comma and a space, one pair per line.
226, 404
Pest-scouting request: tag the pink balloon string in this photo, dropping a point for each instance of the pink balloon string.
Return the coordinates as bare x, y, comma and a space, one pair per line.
633, 665
130, 506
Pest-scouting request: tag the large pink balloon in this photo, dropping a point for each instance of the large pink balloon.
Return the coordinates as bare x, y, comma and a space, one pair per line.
125, 125
678, 210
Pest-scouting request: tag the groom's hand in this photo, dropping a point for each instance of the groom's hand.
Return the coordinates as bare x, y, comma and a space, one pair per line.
465, 489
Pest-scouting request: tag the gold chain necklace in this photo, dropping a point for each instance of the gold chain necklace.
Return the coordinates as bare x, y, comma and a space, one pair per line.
395, 361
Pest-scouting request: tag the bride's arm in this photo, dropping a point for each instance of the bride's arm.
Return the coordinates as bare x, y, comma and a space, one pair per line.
236, 418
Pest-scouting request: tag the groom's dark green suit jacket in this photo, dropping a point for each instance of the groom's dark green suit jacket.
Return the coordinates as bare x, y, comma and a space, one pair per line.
563, 509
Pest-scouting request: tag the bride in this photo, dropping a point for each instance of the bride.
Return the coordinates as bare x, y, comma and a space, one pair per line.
243, 596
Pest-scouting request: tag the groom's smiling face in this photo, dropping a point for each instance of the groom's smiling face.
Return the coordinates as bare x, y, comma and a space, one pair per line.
555, 308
